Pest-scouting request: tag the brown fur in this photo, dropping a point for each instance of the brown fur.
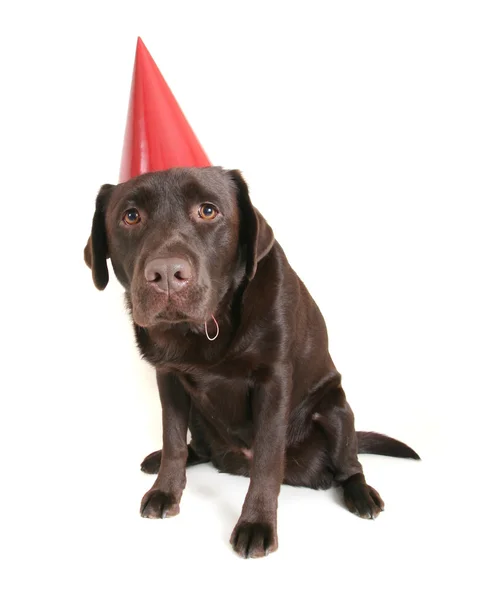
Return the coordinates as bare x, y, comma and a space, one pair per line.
264, 399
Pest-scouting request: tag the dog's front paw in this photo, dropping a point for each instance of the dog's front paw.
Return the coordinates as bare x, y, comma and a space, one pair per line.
363, 500
253, 540
159, 505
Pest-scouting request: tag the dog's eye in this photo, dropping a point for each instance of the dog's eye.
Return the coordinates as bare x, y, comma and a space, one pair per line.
132, 216
208, 212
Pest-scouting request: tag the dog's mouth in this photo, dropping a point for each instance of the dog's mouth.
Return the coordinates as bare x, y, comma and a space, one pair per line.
150, 309
176, 316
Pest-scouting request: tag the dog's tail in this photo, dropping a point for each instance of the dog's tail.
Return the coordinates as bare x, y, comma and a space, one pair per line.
377, 443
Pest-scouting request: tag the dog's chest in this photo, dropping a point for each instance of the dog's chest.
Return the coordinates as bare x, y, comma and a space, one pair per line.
208, 365
218, 379
218, 397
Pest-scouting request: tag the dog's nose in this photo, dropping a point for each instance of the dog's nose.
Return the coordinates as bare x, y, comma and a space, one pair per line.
168, 274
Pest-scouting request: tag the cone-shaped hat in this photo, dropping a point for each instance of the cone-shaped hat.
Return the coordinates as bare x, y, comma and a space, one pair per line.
158, 135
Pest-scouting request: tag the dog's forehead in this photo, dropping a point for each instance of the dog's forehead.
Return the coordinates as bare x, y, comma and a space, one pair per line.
180, 183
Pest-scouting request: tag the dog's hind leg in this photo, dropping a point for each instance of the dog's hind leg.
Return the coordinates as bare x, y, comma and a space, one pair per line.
335, 417
152, 462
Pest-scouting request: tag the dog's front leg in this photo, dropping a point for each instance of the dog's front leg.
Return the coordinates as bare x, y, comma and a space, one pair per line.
256, 531
162, 500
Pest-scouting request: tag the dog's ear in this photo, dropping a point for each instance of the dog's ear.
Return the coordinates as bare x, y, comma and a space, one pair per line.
256, 235
96, 249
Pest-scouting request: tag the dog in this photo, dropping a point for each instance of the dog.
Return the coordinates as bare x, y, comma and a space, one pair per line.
239, 347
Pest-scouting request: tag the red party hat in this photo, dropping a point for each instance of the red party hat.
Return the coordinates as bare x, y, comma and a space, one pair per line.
158, 135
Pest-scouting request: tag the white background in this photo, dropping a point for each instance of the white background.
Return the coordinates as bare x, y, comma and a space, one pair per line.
355, 124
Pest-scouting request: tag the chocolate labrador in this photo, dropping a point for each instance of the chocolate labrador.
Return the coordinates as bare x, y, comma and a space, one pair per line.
239, 347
